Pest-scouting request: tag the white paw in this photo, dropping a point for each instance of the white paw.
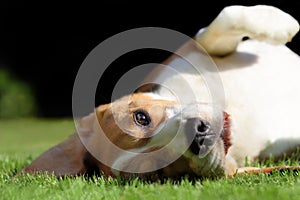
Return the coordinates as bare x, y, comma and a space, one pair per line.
263, 23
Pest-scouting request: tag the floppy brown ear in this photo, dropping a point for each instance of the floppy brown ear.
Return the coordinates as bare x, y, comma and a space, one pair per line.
67, 158
71, 157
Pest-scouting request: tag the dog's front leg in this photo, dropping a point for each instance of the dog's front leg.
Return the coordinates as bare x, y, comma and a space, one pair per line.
264, 23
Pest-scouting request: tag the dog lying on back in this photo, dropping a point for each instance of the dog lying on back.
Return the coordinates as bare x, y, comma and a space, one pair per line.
197, 137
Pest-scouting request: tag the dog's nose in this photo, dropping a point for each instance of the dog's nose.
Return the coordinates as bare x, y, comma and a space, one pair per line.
201, 131
198, 126
202, 127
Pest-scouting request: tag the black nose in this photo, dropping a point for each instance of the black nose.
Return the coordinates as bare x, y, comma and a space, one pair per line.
198, 126
200, 130
202, 127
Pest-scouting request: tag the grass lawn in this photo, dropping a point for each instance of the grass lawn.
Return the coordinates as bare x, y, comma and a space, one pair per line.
24, 139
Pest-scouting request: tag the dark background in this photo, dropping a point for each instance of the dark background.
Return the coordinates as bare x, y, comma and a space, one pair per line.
45, 44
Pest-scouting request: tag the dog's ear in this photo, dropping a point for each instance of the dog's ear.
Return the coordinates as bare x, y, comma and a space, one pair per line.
71, 157
66, 158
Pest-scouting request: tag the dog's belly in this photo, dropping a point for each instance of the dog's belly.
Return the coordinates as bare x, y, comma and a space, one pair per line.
262, 94
262, 88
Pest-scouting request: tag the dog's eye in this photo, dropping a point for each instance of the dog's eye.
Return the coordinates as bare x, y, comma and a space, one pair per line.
141, 118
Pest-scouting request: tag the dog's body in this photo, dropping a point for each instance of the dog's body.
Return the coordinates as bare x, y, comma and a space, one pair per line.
262, 95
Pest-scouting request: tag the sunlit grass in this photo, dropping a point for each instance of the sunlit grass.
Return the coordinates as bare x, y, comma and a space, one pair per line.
32, 136
22, 140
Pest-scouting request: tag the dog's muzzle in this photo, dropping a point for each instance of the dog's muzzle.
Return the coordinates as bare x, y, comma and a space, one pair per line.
205, 136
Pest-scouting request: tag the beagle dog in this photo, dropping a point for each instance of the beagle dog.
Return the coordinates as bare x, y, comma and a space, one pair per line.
156, 133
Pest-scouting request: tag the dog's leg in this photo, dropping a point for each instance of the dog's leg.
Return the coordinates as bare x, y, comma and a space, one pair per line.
268, 170
265, 23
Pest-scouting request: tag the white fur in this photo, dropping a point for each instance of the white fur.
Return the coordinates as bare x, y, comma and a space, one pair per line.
261, 81
264, 23
257, 83
262, 98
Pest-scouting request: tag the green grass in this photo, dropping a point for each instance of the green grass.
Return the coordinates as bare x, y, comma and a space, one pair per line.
23, 140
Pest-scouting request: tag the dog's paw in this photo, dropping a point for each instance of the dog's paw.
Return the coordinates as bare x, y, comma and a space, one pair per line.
264, 23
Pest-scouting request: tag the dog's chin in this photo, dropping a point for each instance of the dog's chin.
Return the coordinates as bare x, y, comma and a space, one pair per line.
211, 164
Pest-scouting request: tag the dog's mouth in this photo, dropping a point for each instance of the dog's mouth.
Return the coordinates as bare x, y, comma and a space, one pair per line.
206, 137
207, 159
226, 133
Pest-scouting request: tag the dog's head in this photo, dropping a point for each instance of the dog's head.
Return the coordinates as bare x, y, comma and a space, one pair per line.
143, 134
